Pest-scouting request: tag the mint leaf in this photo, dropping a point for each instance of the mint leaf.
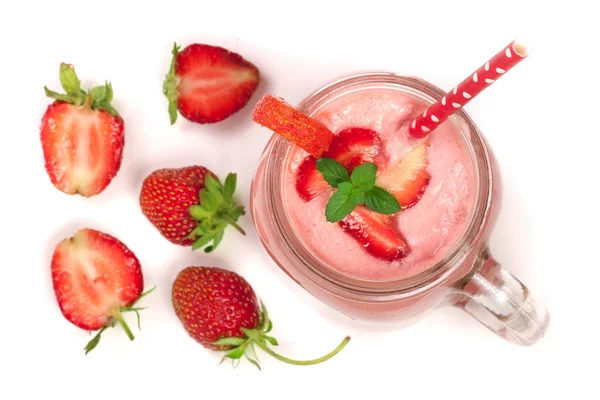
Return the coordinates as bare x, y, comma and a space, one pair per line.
357, 197
333, 172
381, 201
364, 176
338, 207
345, 187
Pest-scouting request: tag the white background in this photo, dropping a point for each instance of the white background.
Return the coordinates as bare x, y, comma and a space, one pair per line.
541, 120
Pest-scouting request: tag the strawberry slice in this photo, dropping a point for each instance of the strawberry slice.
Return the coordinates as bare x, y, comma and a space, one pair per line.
350, 147
96, 278
408, 179
280, 117
82, 137
309, 181
374, 232
208, 84
355, 146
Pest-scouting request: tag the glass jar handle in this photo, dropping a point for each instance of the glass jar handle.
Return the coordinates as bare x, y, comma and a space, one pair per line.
498, 300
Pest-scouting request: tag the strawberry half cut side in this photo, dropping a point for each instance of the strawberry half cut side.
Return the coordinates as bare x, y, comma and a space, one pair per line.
207, 84
96, 279
82, 137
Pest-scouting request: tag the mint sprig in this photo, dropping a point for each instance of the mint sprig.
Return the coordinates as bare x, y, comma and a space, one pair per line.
216, 211
354, 189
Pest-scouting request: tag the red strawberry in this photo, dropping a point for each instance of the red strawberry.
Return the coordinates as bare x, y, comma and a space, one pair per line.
82, 137
309, 181
219, 309
373, 231
280, 117
96, 279
350, 147
408, 179
207, 84
189, 206
355, 146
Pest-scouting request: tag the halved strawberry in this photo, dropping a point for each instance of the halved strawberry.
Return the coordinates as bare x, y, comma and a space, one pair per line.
350, 147
408, 179
207, 84
355, 146
374, 232
280, 117
309, 181
96, 278
82, 137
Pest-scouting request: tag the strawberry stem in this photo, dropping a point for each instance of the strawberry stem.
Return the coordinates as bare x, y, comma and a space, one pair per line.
89, 101
264, 346
119, 317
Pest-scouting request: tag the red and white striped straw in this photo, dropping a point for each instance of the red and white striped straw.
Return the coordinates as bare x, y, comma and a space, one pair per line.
465, 91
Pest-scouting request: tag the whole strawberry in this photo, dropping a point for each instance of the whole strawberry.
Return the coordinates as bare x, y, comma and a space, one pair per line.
189, 206
207, 84
82, 137
96, 279
219, 309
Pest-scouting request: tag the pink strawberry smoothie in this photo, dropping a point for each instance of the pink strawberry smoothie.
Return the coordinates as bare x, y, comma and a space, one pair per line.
430, 228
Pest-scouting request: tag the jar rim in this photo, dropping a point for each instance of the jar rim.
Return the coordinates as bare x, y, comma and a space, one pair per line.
326, 277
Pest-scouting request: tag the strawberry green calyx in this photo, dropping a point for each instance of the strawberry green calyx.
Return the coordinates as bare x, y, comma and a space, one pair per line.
98, 98
238, 347
217, 210
170, 86
117, 318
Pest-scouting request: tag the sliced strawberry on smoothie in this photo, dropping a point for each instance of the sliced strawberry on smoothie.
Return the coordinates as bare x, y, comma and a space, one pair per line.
277, 115
350, 147
309, 181
407, 179
355, 146
374, 232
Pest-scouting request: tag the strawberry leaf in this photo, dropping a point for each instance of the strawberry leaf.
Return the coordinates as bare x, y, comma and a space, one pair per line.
230, 341
203, 241
237, 353
272, 340
207, 200
98, 98
214, 187
91, 345
215, 211
170, 85
198, 212
69, 81
338, 207
229, 187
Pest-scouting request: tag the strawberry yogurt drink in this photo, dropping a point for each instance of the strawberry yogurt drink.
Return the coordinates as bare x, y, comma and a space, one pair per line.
432, 178
378, 224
